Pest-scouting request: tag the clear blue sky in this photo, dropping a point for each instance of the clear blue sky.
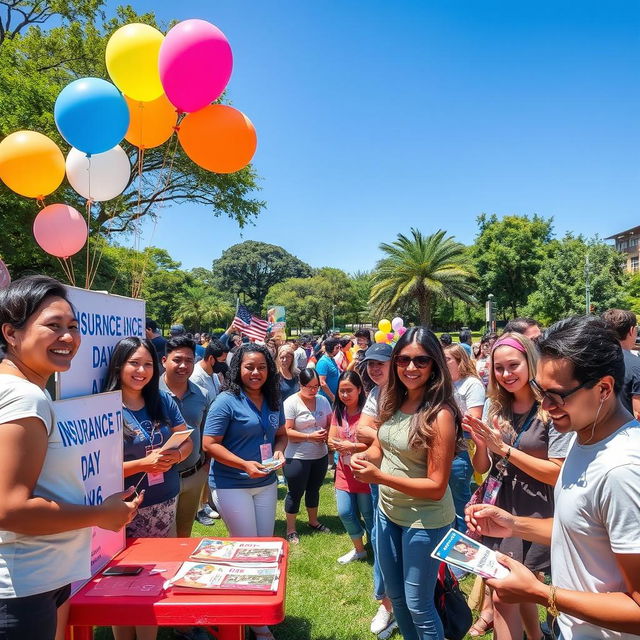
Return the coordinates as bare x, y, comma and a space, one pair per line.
375, 116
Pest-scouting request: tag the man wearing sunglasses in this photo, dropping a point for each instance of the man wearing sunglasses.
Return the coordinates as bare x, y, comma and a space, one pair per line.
594, 534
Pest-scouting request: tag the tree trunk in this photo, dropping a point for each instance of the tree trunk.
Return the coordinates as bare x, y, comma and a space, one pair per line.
424, 306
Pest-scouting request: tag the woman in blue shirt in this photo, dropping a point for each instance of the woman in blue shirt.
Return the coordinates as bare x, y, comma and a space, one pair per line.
244, 428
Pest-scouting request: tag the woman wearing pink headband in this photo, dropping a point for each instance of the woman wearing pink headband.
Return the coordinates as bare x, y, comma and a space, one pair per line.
524, 453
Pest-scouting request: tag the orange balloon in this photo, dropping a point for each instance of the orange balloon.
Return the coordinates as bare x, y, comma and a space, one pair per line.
31, 164
218, 138
151, 123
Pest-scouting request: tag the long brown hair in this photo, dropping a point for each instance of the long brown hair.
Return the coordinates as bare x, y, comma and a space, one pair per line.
466, 367
438, 392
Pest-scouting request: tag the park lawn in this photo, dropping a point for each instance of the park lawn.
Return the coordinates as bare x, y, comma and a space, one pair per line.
325, 600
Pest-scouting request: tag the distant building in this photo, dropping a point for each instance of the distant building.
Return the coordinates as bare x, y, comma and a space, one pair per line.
628, 243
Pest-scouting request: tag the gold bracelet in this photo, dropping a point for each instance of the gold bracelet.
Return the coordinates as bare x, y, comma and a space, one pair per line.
552, 605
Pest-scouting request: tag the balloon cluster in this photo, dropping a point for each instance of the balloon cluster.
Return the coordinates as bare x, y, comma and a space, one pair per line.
161, 84
390, 332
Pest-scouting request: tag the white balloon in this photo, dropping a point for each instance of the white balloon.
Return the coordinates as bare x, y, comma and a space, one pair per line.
100, 177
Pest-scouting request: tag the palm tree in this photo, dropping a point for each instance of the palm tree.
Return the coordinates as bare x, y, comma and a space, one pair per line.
422, 269
199, 307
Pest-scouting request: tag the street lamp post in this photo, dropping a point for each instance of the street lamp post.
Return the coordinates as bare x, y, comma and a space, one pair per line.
333, 317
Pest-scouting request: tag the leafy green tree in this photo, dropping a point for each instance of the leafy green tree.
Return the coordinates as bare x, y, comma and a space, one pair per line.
508, 254
632, 301
561, 282
421, 268
36, 62
199, 308
251, 268
358, 304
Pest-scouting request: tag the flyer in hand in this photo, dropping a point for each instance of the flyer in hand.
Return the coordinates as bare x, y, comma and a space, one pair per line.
465, 553
235, 552
194, 576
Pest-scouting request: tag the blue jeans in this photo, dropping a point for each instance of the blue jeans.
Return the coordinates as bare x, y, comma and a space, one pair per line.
410, 575
378, 581
353, 509
460, 485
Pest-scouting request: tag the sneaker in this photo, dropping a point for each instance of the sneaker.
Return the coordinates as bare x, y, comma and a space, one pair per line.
204, 519
381, 620
352, 556
388, 632
210, 512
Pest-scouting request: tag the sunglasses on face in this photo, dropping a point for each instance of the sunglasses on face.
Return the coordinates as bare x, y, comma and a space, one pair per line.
557, 398
420, 362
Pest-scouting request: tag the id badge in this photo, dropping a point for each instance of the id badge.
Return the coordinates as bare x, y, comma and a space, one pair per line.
491, 490
346, 458
153, 478
266, 452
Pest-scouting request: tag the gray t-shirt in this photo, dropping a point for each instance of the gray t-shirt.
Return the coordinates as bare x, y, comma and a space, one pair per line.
306, 421
371, 405
597, 511
32, 564
209, 382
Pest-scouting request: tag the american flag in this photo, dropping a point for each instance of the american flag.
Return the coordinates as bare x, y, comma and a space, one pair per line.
250, 325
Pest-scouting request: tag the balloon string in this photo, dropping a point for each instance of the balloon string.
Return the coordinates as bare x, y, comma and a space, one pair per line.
162, 187
88, 252
67, 272
40, 202
100, 251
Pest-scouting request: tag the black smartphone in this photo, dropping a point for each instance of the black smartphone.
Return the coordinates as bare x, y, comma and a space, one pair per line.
123, 570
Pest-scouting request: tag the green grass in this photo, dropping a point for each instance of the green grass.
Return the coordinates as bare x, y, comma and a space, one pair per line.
325, 600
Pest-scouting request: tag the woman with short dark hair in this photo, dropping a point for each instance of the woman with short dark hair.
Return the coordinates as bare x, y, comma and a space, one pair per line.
45, 537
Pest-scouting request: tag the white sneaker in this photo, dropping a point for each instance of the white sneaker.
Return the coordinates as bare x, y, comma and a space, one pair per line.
381, 620
352, 556
388, 632
212, 513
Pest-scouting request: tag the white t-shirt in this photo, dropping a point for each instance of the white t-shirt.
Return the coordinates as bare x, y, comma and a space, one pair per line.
210, 383
371, 405
597, 514
35, 564
468, 393
300, 358
306, 421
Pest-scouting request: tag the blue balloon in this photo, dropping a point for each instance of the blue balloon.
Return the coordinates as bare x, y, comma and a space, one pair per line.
92, 115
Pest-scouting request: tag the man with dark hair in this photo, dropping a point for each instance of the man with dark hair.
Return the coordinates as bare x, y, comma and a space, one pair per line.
363, 338
526, 326
595, 546
176, 330
625, 325
206, 371
465, 341
193, 402
445, 339
153, 333
328, 370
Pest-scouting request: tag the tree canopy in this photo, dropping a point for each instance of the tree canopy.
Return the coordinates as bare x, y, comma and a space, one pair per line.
251, 268
424, 268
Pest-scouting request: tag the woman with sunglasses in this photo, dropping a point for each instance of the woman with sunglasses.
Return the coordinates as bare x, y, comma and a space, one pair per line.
150, 416
307, 417
410, 459
516, 441
45, 525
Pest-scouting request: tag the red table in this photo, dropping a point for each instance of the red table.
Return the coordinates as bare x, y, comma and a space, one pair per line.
225, 615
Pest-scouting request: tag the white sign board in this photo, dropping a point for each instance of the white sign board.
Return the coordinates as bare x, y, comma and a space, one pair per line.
104, 319
92, 427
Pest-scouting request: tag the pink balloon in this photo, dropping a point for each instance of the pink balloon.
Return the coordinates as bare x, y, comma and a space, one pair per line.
402, 331
5, 276
195, 64
390, 337
60, 230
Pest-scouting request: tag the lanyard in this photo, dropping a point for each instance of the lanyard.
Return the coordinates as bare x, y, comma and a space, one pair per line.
263, 416
501, 466
147, 435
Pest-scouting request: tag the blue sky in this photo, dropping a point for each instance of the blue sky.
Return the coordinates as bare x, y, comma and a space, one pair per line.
375, 116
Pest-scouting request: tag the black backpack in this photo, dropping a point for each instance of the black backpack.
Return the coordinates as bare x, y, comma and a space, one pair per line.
452, 605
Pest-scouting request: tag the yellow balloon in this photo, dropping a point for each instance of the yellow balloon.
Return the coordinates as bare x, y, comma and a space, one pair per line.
31, 164
385, 326
132, 61
380, 336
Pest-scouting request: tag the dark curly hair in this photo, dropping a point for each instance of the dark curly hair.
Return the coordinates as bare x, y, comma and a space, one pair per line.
270, 389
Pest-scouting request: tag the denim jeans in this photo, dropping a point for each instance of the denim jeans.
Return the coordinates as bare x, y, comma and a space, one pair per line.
353, 509
378, 581
410, 575
460, 485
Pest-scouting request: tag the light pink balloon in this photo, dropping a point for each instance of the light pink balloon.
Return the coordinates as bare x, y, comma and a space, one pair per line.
60, 230
5, 276
402, 331
195, 64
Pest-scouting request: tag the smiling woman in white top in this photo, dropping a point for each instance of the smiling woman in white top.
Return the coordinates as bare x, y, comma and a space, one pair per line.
45, 527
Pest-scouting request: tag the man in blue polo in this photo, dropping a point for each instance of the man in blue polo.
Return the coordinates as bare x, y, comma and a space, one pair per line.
328, 370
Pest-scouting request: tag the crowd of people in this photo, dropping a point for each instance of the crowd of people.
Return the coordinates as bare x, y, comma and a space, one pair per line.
543, 423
